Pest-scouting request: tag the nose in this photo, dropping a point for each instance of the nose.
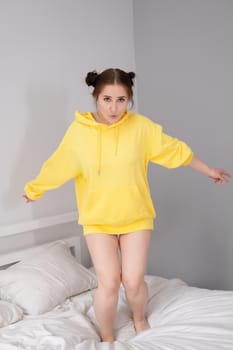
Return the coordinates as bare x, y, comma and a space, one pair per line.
113, 107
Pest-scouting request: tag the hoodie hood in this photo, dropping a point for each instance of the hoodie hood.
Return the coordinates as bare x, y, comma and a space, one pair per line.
88, 120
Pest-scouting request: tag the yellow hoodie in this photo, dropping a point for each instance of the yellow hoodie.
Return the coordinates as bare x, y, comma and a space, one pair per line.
109, 166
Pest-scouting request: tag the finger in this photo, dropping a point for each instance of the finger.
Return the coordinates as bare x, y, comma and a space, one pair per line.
216, 179
225, 173
225, 177
218, 182
24, 197
27, 200
222, 179
226, 180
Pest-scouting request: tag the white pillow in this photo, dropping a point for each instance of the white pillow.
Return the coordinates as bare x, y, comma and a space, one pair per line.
39, 283
9, 313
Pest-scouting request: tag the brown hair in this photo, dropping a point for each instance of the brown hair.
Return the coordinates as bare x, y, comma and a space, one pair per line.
110, 76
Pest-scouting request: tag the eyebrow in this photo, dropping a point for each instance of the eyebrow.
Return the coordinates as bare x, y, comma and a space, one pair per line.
117, 97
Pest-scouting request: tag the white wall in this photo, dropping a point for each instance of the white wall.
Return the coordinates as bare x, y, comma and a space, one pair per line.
184, 59
47, 47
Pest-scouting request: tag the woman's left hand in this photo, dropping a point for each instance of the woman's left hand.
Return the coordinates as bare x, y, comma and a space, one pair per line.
219, 175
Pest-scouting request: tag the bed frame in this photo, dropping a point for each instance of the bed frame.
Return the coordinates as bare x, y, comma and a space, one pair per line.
12, 257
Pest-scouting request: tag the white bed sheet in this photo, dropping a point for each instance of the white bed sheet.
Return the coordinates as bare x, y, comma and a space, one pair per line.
181, 317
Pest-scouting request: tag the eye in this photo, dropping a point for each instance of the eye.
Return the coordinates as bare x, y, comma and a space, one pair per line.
121, 99
107, 99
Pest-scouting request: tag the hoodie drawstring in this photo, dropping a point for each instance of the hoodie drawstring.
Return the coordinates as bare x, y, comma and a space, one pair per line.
99, 147
99, 150
116, 140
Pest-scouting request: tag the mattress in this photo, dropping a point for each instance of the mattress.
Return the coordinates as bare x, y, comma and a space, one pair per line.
181, 318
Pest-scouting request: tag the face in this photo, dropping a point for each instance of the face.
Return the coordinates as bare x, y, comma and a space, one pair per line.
112, 103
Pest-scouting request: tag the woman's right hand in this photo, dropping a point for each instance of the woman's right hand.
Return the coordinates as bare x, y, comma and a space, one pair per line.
27, 200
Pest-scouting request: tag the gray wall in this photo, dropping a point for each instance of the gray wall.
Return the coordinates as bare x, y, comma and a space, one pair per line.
47, 47
184, 60
184, 78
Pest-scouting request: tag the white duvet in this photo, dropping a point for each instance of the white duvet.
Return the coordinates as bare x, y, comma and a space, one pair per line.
181, 318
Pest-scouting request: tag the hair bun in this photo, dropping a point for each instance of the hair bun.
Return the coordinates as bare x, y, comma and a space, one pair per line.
91, 78
131, 76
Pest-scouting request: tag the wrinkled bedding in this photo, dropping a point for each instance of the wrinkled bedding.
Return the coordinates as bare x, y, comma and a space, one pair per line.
181, 318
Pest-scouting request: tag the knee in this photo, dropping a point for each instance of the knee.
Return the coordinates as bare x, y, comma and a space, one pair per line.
132, 285
110, 285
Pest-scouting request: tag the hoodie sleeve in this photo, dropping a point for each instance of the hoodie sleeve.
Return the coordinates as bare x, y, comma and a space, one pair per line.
166, 150
62, 166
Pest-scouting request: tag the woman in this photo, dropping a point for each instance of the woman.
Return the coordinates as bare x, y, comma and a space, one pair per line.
107, 153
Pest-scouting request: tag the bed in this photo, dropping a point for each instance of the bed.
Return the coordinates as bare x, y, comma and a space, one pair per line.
46, 304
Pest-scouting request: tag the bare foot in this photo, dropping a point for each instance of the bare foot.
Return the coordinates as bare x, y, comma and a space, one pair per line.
141, 325
107, 338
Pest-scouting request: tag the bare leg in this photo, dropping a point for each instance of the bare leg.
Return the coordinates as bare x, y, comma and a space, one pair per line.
134, 252
103, 249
